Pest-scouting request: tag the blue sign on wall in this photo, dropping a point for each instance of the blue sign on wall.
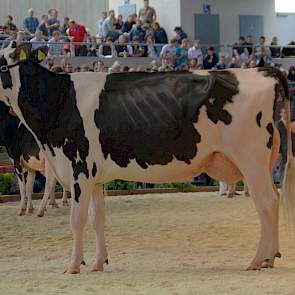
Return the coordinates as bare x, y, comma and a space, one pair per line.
127, 9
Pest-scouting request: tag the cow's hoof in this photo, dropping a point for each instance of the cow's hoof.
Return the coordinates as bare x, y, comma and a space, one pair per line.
268, 263
73, 270
231, 195
98, 266
22, 212
31, 210
65, 203
254, 266
54, 205
41, 213
246, 194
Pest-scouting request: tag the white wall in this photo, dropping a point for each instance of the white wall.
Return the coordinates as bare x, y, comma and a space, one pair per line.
86, 12
168, 11
229, 11
284, 28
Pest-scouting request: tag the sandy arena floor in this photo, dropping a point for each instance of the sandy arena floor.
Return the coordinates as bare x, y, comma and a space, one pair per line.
194, 243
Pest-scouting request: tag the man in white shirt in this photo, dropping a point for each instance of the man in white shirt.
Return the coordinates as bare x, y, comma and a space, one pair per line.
195, 52
104, 15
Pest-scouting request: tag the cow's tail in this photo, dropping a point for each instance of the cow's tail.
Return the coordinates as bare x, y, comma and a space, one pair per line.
288, 190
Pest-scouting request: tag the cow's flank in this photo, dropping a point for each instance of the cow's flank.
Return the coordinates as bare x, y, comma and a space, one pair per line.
150, 117
48, 104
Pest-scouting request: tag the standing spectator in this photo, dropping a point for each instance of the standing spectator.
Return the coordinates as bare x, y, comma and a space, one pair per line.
122, 48
167, 55
65, 26
249, 43
37, 41
99, 24
180, 34
53, 22
195, 52
137, 31
31, 23
43, 27
55, 45
193, 65
160, 36
77, 33
119, 23
211, 59
127, 26
181, 54
137, 50
107, 49
147, 13
222, 63
275, 50
93, 47
108, 29
9, 26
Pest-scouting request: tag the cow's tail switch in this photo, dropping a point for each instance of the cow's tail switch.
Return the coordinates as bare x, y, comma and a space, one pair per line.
288, 190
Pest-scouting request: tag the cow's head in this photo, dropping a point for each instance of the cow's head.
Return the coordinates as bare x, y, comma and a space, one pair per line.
10, 57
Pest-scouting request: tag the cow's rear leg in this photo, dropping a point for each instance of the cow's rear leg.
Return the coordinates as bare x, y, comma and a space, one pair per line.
79, 213
267, 205
97, 216
64, 197
22, 189
29, 190
52, 200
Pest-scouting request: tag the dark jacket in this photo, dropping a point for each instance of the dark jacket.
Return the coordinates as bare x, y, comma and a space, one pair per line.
139, 32
208, 64
181, 35
127, 27
160, 36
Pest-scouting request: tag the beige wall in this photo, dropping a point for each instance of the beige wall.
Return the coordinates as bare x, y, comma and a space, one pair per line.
168, 11
83, 11
229, 11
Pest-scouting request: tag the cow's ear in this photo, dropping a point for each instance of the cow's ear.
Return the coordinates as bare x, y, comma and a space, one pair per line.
39, 54
22, 52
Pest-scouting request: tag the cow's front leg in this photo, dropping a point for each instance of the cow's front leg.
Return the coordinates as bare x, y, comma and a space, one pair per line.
49, 186
97, 216
22, 190
79, 212
29, 190
64, 197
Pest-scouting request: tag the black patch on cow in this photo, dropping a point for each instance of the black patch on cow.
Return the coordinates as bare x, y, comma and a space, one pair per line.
48, 104
94, 170
270, 130
26, 176
18, 141
258, 119
5, 75
77, 190
150, 117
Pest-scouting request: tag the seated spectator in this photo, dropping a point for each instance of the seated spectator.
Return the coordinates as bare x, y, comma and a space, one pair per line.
167, 55
262, 45
137, 31
116, 67
234, 64
184, 68
262, 57
77, 69
20, 39
43, 27
180, 34
244, 57
122, 48
55, 45
244, 65
291, 74
107, 49
147, 13
31, 23
137, 50
98, 66
222, 63
108, 29
127, 26
160, 36
211, 59
252, 63
53, 22
275, 50
68, 68
9, 26
77, 33
147, 27
119, 23
93, 47
289, 52
150, 50
7, 41
65, 26
181, 54
99, 24
195, 52
49, 64
193, 65
37, 41
154, 66
239, 48
249, 43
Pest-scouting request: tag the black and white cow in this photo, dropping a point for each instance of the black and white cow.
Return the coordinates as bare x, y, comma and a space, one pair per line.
27, 158
94, 127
